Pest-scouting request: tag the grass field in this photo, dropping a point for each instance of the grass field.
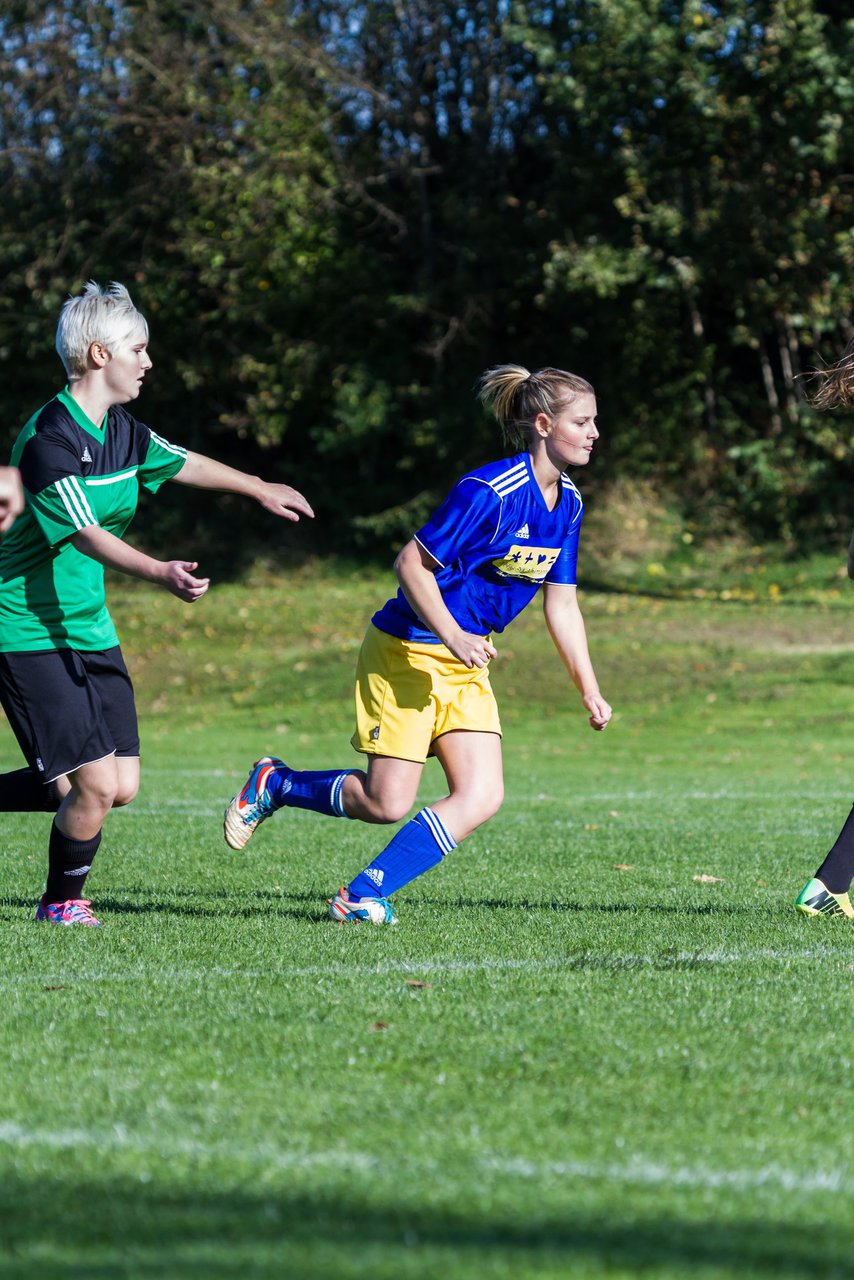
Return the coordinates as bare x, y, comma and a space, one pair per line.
600, 1043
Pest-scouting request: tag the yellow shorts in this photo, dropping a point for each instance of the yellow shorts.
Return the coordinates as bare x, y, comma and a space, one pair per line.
409, 694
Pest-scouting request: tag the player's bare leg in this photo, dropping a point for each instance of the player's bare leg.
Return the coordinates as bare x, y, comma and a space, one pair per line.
474, 769
385, 793
75, 837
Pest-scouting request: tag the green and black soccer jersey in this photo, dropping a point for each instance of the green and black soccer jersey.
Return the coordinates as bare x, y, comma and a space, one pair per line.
75, 475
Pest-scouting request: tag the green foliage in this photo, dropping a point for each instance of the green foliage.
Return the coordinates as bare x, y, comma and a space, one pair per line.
336, 215
717, 235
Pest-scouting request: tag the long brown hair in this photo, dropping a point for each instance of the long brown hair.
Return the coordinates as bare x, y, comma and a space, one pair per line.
515, 397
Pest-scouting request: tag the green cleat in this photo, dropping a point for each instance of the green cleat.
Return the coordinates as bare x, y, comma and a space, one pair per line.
816, 900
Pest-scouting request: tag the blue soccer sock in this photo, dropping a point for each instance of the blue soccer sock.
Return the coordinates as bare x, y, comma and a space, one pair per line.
318, 790
420, 845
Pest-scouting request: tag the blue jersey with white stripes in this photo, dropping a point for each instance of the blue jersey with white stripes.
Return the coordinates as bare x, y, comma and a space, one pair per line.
496, 542
76, 474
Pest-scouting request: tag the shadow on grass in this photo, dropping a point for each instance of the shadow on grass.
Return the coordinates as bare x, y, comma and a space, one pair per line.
589, 908
125, 1230
311, 907
196, 906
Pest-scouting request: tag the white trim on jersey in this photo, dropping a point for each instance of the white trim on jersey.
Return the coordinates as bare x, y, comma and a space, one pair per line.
476, 480
424, 547
567, 484
177, 449
510, 480
489, 485
75, 503
120, 475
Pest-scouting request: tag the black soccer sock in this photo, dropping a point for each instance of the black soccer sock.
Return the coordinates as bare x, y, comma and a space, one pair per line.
68, 865
837, 870
23, 791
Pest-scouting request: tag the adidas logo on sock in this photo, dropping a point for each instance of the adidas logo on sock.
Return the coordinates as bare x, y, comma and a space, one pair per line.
524, 532
374, 873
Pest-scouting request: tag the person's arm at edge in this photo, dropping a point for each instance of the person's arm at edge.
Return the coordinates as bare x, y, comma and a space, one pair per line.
566, 627
11, 497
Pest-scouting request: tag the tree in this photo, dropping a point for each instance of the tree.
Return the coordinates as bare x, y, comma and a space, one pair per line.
337, 214
712, 251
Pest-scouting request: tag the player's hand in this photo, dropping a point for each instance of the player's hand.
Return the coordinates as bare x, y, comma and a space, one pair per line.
600, 712
180, 581
282, 500
11, 497
473, 651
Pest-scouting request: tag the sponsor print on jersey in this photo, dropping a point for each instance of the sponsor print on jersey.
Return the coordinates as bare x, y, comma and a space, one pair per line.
531, 563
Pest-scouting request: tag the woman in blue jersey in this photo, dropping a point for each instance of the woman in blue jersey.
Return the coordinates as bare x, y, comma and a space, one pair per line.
63, 682
507, 531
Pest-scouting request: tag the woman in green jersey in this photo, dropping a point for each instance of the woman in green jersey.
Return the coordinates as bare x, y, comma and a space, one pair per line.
63, 682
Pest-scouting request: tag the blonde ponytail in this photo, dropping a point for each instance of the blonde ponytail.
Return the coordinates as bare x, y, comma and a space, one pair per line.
515, 397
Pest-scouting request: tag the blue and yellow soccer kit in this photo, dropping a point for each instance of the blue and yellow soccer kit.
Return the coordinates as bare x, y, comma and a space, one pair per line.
495, 542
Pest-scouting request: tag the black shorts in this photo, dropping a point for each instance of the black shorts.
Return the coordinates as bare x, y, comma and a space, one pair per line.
68, 708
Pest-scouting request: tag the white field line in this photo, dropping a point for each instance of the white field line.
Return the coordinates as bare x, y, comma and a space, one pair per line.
584, 961
166, 1147
654, 1173
634, 1170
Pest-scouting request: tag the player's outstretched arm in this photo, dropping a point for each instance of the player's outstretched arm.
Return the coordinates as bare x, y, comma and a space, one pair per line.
416, 573
566, 628
176, 576
207, 473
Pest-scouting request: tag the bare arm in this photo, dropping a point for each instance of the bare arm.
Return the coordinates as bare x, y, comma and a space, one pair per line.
416, 573
206, 473
566, 628
175, 575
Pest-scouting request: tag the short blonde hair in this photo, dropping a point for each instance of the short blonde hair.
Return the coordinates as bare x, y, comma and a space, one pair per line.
836, 386
100, 315
515, 396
